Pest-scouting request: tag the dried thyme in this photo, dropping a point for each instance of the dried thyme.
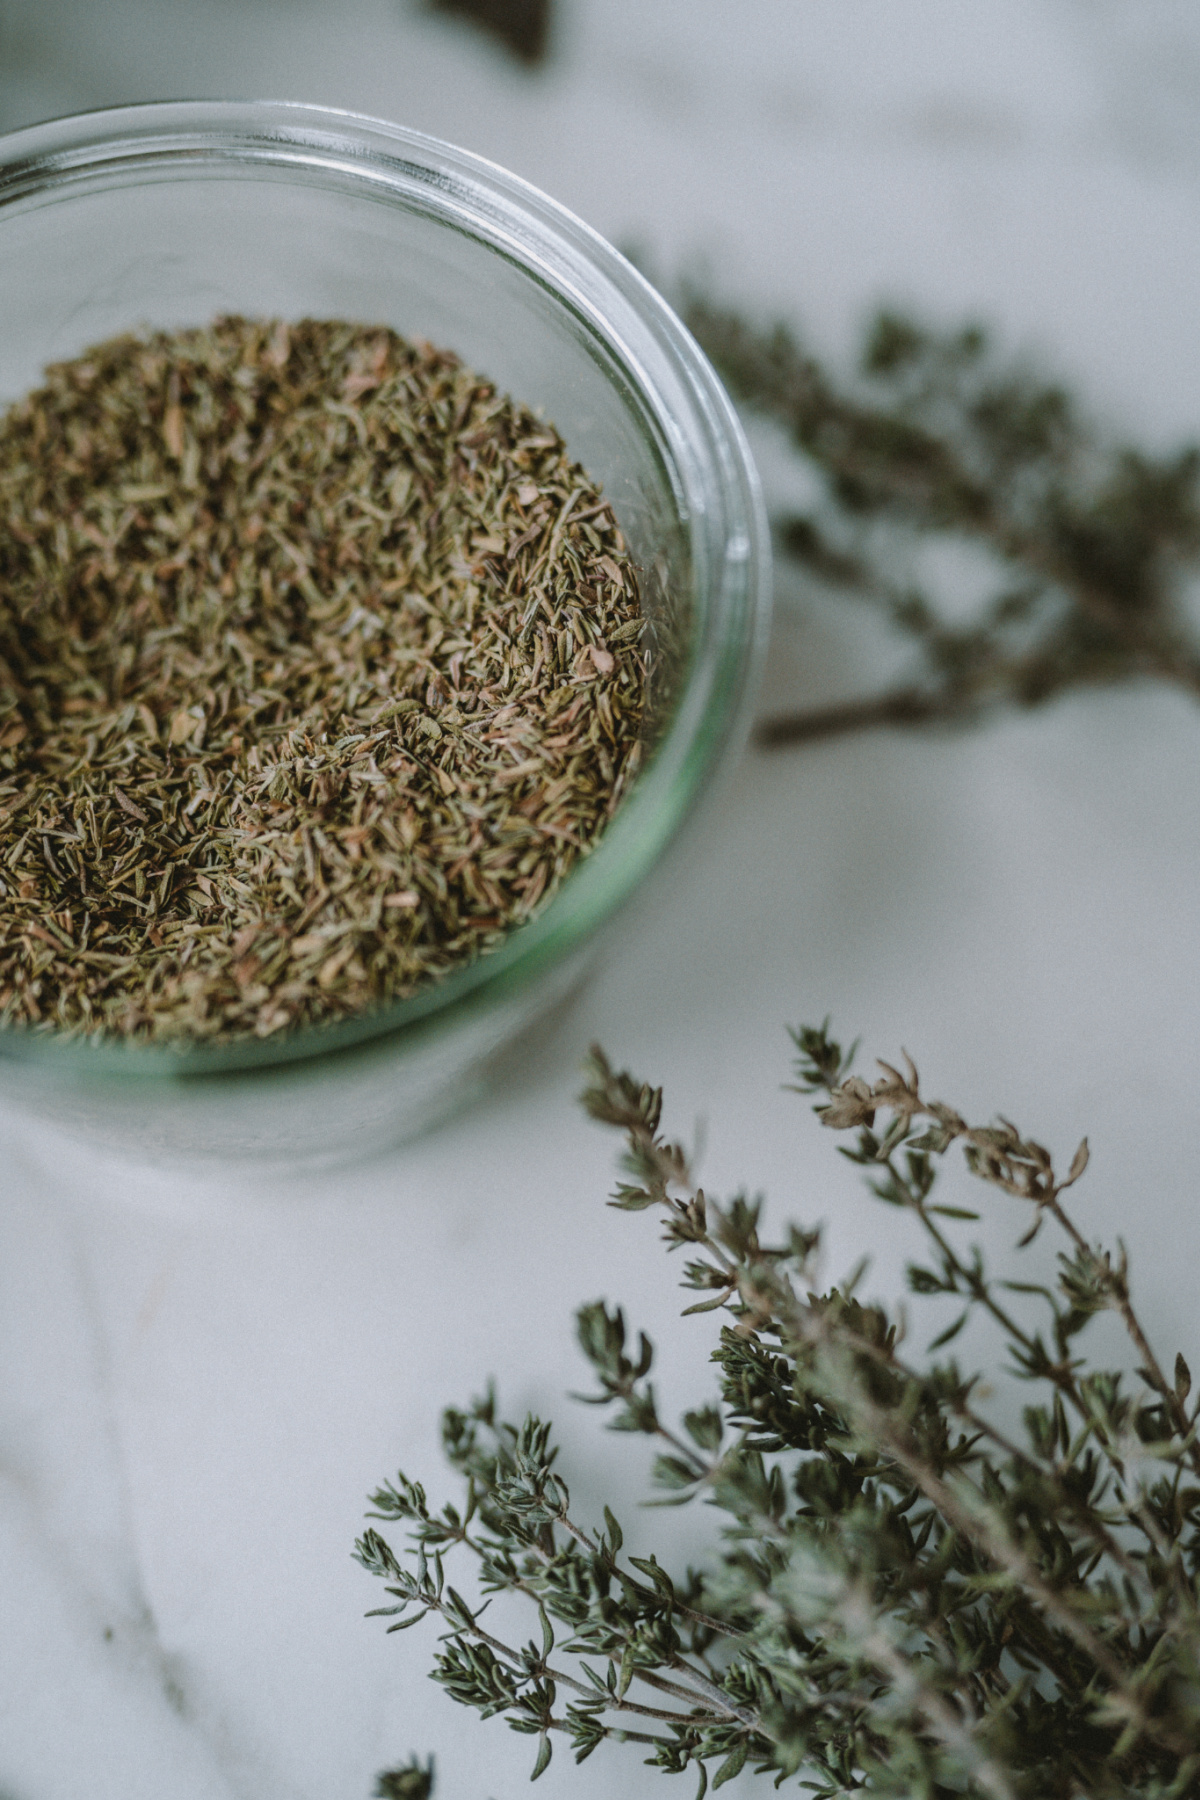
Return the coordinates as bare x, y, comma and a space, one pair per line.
1073, 553
319, 667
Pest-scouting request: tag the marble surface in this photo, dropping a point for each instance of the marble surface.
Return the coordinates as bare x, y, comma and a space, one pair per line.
201, 1375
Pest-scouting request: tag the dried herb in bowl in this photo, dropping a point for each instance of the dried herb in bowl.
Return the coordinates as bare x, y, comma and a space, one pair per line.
319, 667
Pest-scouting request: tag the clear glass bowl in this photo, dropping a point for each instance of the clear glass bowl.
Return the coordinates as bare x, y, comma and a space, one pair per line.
164, 216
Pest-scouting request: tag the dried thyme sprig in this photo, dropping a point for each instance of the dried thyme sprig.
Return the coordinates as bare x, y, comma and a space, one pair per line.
1088, 544
908, 1599
319, 667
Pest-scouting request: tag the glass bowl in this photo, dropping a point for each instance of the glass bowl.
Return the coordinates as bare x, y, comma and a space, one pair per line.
165, 216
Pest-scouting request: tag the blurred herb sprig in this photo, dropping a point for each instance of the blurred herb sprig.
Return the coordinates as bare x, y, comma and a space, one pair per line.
908, 1598
413, 1781
1090, 543
523, 27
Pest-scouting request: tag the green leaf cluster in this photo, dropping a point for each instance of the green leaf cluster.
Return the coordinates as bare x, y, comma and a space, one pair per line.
412, 1782
906, 1597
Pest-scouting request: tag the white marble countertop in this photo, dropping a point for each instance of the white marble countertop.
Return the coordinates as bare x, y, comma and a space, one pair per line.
202, 1376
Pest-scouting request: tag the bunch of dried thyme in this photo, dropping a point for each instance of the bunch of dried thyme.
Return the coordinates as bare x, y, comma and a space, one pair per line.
319, 667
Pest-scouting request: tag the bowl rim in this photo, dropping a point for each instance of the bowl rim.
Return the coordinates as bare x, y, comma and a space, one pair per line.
710, 462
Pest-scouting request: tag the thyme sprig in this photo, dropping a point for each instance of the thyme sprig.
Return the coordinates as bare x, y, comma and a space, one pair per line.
1085, 545
908, 1597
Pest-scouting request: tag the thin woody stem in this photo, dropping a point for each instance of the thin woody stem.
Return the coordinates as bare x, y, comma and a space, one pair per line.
558, 1676
1141, 1342
994, 1543
1061, 1376
940, 1715
897, 706
619, 1734
978, 1522
935, 1489
701, 1618
984, 1428
908, 707
1049, 1201
718, 1626
936, 1711
978, 1290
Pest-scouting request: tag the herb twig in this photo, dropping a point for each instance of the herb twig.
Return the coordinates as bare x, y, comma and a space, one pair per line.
905, 1598
1084, 547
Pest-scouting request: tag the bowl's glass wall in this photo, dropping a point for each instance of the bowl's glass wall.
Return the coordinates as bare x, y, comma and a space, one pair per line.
168, 216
